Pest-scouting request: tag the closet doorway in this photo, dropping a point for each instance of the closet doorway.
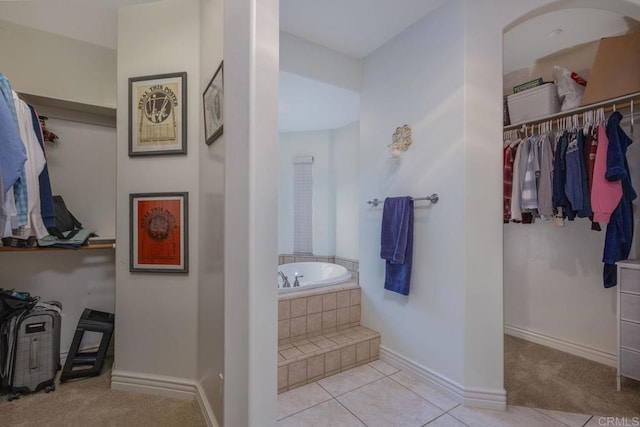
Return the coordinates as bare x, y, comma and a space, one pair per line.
560, 322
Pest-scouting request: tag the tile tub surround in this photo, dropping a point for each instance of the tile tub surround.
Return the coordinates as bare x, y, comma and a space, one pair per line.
307, 360
319, 334
308, 313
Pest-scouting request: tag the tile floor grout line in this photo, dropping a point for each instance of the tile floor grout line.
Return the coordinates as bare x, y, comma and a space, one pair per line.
302, 410
343, 405
458, 419
426, 400
359, 387
538, 410
430, 421
587, 422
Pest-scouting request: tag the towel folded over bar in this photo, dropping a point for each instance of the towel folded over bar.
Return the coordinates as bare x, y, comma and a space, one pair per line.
396, 243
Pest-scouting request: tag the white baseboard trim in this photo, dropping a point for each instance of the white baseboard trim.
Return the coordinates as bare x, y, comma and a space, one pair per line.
599, 356
164, 386
476, 398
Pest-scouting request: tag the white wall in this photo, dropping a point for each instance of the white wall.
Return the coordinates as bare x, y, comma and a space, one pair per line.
417, 78
157, 314
46, 64
318, 144
251, 141
211, 248
483, 87
346, 153
302, 57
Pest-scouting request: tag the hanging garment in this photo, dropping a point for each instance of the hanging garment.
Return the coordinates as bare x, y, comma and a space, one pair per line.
605, 195
545, 185
12, 151
47, 209
33, 168
507, 182
573, 181
530, 177
617, 245
591, 146
516, 191
560, 202
20, 196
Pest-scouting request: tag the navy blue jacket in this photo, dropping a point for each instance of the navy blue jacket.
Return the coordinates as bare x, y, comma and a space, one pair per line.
617, 244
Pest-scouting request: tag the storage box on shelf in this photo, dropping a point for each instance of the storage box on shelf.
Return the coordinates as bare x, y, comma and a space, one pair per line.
533, 103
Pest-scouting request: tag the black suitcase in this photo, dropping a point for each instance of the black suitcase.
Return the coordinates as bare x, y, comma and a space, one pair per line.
37, 350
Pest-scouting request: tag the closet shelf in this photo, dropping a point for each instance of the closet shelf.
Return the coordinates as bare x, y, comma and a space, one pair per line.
97, 244
620, 103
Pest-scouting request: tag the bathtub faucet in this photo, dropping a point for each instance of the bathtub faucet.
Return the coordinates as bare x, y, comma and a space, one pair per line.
285, 280
296, 283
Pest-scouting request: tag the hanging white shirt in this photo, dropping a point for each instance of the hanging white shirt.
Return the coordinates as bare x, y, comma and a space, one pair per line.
33, 167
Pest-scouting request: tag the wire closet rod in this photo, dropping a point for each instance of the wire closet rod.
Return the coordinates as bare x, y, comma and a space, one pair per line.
613, 104
432, 198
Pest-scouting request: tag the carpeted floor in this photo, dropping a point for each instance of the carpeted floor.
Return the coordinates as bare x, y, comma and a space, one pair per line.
91, 402
541, 377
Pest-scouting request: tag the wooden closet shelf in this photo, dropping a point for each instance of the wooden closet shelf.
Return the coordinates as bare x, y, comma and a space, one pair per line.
101, 244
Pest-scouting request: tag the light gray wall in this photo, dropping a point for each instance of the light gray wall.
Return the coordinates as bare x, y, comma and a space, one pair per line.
46, 64
346, 153
211, 230
417, 78
157, 314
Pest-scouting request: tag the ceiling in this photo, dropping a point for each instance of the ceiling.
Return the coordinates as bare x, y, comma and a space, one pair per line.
353, 27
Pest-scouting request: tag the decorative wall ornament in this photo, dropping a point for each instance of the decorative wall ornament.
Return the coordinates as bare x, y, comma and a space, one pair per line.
401, 140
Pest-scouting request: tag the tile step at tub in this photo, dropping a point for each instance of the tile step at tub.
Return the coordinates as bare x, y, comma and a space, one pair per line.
306, 360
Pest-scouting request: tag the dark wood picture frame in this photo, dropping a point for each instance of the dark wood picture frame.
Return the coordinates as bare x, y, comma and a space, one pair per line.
213, 106
158, 114
159, 232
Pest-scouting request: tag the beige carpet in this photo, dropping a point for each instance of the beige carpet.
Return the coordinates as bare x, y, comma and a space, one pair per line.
91, 402
540, 377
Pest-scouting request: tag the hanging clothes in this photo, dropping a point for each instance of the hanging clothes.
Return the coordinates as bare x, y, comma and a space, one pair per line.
545, 185
620, 228
47, 209
507, 182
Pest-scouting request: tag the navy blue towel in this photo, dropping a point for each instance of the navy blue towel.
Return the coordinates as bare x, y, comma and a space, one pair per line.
396, 243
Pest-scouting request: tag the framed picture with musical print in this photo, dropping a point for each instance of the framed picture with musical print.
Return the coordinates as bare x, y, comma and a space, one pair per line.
158, 114
159, 232
213, 103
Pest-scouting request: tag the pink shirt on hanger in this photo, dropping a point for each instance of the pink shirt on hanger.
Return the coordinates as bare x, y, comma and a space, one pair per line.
605, 195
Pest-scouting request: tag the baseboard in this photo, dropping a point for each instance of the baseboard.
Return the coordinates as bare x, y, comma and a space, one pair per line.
562, 345
164, 386
476, 398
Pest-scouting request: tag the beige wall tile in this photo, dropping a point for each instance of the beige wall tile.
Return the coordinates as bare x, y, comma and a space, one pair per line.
297, 372
325, 343
284, 309
347, 356
329, 319
343, 299
332, 361
340, 339
289, 259
283, 373
355, 314
298, 326
329, 301
362, 352
314, 304
343, 316
355, 296
374, 348
298, 307
314, 323
291, 353
284, 329
315, 366
309, 348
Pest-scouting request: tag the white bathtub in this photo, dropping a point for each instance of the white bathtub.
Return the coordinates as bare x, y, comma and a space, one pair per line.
316, 275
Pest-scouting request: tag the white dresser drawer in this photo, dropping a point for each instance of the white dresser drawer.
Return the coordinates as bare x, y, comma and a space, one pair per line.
630, 335
629, 280
630, 307
630, 364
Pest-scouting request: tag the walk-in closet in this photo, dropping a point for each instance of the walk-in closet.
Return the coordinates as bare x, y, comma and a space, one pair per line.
561, 316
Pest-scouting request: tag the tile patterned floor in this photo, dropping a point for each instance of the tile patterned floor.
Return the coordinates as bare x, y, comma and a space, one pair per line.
378, 394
